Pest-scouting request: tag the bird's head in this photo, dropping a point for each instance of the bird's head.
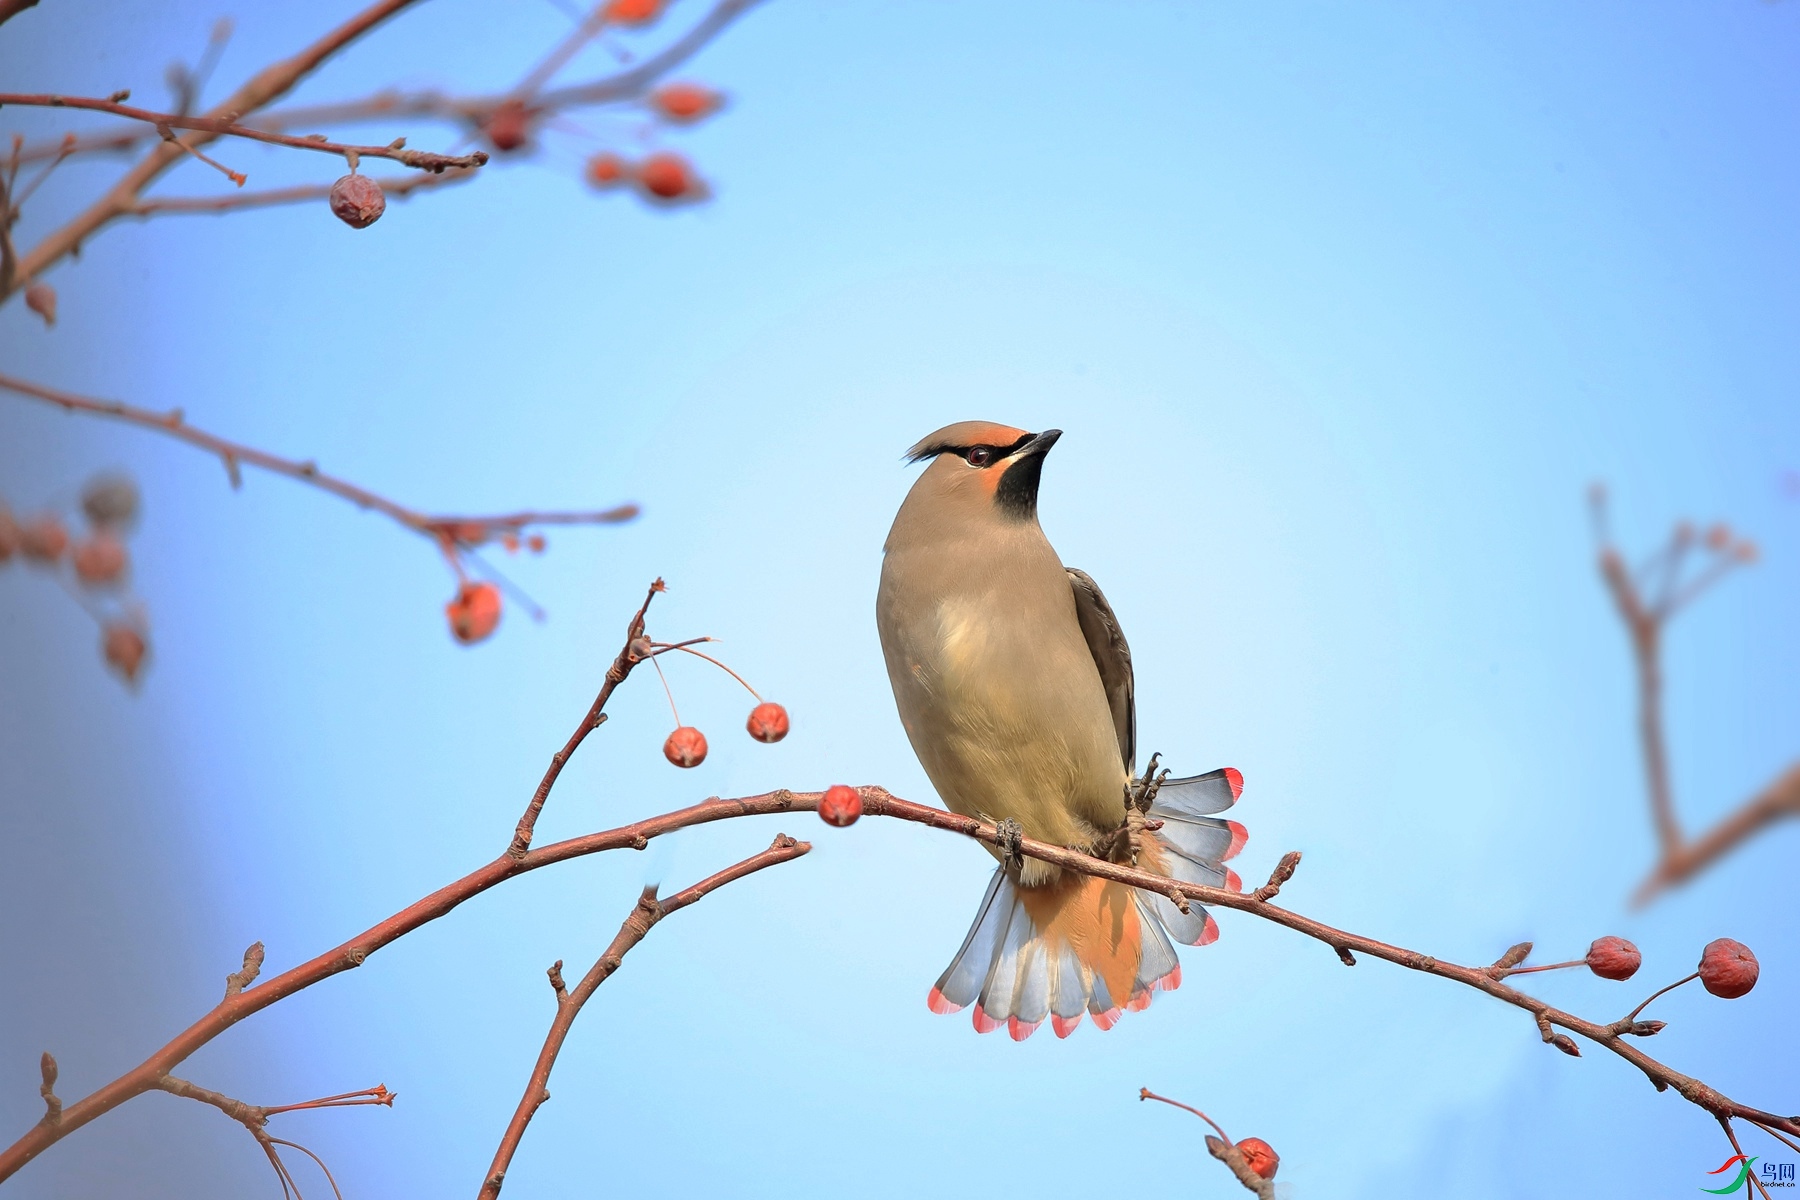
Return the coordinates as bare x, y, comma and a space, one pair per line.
980, 469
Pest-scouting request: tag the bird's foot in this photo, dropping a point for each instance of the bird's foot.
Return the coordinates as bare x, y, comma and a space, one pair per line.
1010, 839
1141, 791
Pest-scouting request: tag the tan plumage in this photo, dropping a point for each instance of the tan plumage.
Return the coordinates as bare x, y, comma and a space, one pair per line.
1014, 685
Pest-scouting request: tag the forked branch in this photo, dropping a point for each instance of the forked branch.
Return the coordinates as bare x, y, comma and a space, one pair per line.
1647, 597
642, 918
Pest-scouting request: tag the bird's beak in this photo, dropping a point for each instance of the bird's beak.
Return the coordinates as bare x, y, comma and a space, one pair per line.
1040, 444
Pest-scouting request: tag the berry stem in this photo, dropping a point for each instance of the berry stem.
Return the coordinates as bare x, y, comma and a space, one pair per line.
1147, 1094
1579, 962
666, 691
686, 648
1632, 1015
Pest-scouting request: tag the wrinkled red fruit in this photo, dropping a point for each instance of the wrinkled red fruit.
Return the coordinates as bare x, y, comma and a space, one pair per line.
1613, 958
1260, 1157
686, 747
841, 805
40, 298
633, 12
606, 170
768, 722
43, 538
474, 612
1728, 969
358, 201
100, 560
124, 648
684, 102
509, 127
668, 177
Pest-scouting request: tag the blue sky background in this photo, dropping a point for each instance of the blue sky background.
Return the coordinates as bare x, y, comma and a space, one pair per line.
1341, 309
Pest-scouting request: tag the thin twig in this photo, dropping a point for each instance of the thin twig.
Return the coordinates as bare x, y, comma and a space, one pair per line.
628, 657
220, 127
643, 917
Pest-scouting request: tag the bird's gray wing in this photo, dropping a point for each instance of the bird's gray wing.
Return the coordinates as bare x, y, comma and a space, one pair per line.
1107, 644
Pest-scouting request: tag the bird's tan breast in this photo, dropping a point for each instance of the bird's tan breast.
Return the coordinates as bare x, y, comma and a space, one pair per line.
997, 688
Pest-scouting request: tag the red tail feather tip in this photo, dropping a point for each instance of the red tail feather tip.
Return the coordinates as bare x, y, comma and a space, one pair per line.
1139, 1002
1235, 778
937, 1004
1064, 1028
1210, 934
982, 1022
1171, 981
1239, 835
1107, 1019
1232, 882
1018, 1030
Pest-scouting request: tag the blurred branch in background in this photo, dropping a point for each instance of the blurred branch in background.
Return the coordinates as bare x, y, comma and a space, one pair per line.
509, 123
1727, 969
1648, 596
476, 610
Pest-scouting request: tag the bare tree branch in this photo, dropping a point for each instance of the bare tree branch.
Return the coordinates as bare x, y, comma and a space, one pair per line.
1647, 599
220, 127
267, 86
446, 531
643, 917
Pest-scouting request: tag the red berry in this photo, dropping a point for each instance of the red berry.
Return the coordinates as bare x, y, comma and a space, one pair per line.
633, 12
509, 127
124, 648
43, 538
358, 201
684, 102
1613, 958
606, 170
841, 805
474, 612
768, 722
40, 298
686, 747
11, 536
1260, 1157
100, 560
1728, 969
535, 543
668, 178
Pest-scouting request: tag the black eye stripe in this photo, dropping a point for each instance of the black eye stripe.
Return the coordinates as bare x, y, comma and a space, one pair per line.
995, 453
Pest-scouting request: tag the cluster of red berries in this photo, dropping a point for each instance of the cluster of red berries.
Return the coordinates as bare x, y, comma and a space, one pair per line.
661, 178
99, 561
1727, 968
686, 747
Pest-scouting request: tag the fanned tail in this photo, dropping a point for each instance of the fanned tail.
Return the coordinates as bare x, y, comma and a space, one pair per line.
1087, 946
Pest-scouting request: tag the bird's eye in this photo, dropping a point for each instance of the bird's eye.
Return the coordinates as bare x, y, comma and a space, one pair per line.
979, 456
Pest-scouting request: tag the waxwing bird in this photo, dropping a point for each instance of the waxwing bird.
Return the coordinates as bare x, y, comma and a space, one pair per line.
1014, 684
